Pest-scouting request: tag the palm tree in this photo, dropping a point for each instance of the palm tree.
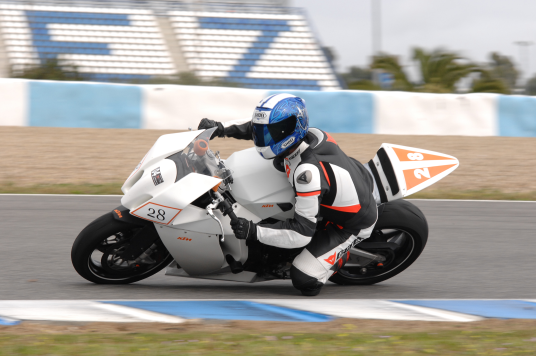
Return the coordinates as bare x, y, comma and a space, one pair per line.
439, 70
390, 64
488, 83
503, 68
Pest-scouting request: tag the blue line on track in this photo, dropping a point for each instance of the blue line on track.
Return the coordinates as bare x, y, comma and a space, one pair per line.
225, 310
502, 309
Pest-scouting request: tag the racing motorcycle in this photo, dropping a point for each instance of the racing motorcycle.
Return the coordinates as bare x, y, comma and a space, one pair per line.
180, 199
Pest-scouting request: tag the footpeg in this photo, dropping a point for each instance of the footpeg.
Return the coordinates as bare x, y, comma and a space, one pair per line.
236, 266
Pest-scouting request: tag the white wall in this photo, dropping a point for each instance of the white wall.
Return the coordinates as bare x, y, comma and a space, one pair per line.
178, 107
13, 102
403, 113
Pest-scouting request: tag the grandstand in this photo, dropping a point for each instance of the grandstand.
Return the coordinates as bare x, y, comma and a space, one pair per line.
105, 44
251, 44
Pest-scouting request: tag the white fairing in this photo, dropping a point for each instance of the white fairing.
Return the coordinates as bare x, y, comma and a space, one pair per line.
258, 186
151, 193
171, 198
165, 146
196, 252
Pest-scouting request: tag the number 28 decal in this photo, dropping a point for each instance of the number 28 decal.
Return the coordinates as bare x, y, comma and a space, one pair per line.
156, 213
161, 215
419, 173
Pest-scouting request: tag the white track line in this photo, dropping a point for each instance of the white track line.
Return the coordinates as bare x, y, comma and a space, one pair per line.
444, 315
79, 311
141, 314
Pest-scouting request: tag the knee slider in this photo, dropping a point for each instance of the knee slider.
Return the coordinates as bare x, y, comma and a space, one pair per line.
301, 280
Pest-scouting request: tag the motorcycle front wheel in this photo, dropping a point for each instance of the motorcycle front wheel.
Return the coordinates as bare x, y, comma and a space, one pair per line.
400, 235
96, 253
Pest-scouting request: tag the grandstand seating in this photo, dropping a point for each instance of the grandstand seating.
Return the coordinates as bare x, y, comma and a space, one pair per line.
105, 44
264, 51
255, 48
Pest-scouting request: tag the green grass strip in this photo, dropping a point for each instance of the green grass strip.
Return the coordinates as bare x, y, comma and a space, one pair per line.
422, 343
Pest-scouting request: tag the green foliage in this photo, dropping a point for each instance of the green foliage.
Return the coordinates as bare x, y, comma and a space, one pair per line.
441, 70
355, 74
363, 85
358, 78
498, 76
502, 68
530, 88
49, 70
390, 64
188, 78
52, 69
487, 83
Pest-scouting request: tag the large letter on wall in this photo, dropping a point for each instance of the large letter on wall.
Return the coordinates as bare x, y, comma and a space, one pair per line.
403, 113
178, 107
13, 102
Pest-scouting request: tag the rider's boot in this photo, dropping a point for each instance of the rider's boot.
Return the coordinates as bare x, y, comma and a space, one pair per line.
312, 291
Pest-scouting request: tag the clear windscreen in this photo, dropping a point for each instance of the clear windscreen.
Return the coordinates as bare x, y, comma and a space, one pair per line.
197, 157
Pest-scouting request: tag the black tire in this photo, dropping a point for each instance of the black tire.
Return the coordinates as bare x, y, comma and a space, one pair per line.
398, 215
91, 239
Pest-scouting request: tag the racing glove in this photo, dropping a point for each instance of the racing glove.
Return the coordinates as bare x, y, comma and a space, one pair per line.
244, 229
208, 124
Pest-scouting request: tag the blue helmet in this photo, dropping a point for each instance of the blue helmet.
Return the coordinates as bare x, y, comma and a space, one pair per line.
279, 122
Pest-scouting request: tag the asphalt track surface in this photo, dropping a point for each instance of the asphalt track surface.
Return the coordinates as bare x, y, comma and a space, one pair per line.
476, 249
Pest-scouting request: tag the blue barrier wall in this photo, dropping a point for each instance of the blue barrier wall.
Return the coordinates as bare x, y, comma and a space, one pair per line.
85, 105
517, 116
59, 104
338, 111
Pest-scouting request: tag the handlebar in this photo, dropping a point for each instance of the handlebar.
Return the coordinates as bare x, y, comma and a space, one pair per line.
227, 209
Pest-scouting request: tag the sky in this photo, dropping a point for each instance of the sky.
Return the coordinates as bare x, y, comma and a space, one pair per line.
472, 28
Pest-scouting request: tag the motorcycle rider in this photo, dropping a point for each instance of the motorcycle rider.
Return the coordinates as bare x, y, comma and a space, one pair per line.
335, 208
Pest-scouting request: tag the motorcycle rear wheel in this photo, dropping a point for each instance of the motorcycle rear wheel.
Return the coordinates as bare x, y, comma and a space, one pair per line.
398, 218
95, 253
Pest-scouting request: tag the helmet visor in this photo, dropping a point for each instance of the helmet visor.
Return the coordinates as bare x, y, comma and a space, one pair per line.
270, 134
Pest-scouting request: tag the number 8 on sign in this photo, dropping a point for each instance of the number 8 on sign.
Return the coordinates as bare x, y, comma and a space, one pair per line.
415, 156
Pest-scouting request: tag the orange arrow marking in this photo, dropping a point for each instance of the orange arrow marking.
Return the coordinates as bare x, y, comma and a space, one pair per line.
412, 156
417, 176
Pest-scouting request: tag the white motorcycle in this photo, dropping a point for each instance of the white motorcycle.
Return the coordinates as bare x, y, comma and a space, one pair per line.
179, 201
